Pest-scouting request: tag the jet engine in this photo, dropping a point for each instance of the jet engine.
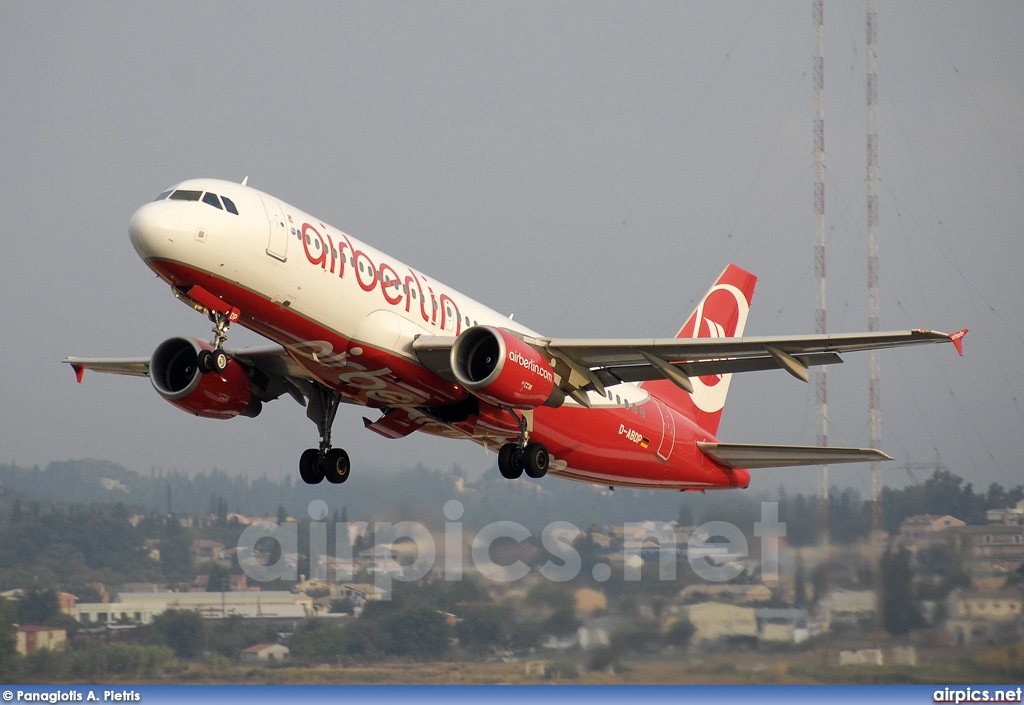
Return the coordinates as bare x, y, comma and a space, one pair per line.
174, 371
499, 368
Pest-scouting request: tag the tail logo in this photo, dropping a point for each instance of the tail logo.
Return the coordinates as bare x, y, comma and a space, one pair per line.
721, 314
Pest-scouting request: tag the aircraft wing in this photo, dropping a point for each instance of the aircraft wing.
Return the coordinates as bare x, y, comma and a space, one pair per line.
585, 364
752, 455
280, 373
609, 362
132, 366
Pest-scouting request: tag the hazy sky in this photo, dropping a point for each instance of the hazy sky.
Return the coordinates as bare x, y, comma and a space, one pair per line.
587, 166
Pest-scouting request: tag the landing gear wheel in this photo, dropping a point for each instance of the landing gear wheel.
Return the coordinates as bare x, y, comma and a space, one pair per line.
510, 461
536, 460
336, 466
204, 360
219, 360
310, 469
325, 462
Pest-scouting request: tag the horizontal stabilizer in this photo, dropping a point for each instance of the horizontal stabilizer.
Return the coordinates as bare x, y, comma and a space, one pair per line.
754, 455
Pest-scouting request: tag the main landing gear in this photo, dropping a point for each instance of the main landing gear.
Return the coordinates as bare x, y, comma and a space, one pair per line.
522, 456
325, 462
215, 360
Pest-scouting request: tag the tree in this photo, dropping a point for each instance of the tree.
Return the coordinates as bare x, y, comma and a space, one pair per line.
183, 631
318, 641
343, 606
680, 633
483, 626
8, 638
230, 636
38, 606
419, 631
562, 622
800, 582
218, 577
899, 610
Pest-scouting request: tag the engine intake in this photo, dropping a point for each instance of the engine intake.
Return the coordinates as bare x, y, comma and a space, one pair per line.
174, 371
498, 367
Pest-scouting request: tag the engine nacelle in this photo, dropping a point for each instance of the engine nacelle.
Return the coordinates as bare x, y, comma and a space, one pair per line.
500, 368
174, 371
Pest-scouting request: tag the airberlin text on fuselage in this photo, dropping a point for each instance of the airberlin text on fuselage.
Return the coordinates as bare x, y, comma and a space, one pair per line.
531, 365
394, 288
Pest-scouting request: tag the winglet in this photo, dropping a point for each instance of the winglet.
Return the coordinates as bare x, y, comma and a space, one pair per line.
958, 340
79, 371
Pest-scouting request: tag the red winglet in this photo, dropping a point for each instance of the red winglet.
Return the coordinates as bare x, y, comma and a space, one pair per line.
958, 340
79, 372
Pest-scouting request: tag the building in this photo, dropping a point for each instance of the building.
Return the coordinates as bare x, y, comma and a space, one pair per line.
1008, 516
924, 527
206, 550
142, 607
984, 617
265, 653
997, 548
716, 621
847, 607
738, 593
589, 600
361, 593
784, 624
30, 639
861, 657
66, 601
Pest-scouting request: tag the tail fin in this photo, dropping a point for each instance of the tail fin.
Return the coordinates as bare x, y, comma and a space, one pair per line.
722, 313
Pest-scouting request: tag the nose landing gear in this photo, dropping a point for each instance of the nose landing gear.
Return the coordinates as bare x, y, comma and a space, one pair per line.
216, 360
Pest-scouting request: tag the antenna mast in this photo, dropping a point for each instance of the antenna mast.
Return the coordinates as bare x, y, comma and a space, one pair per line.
874, 407
820, 377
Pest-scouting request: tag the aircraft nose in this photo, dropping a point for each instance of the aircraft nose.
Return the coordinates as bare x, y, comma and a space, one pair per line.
153, 227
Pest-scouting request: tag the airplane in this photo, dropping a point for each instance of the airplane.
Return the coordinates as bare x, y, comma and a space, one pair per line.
350, 324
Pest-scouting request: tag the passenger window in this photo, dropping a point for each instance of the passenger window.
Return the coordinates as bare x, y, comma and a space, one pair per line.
162, 196
211, 199
184, 195
229, 205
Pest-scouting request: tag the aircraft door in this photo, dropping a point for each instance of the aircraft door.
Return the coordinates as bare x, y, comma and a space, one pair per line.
277, 247
668, 431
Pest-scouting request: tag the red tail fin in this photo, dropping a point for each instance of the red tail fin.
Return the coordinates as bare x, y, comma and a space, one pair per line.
722, 313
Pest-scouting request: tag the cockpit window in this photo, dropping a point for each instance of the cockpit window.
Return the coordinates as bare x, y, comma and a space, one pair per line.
209, 198
184, 195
